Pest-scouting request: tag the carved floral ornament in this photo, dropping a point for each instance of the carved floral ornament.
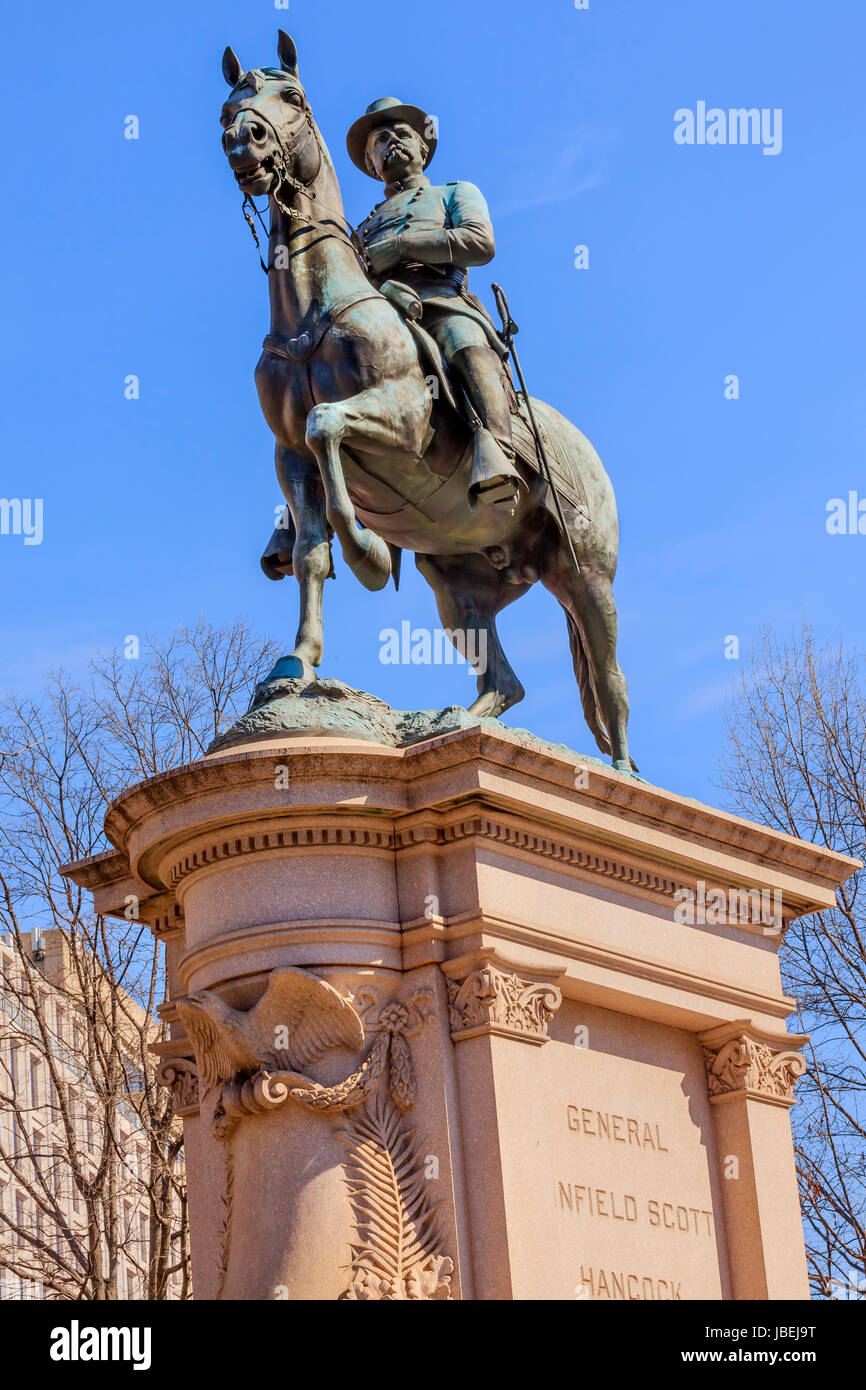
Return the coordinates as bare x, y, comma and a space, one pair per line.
253, 1058
180, 1076
491, 999
746, 1063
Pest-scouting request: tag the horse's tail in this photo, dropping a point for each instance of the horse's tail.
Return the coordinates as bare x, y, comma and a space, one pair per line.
586, 685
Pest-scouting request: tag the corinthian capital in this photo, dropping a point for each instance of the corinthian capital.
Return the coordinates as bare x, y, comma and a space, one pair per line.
739, 1059
491, 998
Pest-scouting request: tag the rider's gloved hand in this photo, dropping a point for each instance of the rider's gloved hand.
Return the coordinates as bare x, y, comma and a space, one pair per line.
383, 254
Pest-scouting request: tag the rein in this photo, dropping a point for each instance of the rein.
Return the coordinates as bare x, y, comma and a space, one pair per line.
282, 168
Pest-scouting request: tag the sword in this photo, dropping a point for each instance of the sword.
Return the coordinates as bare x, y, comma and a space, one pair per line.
509, 332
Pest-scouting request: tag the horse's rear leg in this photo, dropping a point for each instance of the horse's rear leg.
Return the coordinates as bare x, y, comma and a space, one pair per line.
311, 556
589, 606
469, 593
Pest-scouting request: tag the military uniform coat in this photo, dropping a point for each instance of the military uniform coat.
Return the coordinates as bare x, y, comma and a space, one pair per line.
441, 230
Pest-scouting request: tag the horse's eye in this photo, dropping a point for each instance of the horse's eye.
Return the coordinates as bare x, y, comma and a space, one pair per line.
225, 119
294, 97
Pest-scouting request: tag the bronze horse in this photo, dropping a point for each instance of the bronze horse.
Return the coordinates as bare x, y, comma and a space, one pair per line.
362, 438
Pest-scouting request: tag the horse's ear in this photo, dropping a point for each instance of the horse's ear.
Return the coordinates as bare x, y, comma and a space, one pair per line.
287, 53
232, 70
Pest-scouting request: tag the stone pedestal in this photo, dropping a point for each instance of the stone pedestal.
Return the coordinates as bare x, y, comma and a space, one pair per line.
467, 1019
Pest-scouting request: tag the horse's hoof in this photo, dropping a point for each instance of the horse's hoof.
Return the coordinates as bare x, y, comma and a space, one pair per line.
626, 766
488, 706
291, 668
373, 565
493, 703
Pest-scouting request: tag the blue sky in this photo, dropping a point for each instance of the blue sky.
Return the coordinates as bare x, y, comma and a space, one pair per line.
132, 257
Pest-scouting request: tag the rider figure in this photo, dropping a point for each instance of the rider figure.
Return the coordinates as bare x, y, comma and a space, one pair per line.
425, 236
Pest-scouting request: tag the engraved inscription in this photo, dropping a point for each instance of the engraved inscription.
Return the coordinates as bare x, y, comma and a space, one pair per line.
631, 1202
618, 1283
697, 1220
597, 1202
582, 1200
618, 1129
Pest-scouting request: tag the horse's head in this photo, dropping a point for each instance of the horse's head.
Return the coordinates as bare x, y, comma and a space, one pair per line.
268, 132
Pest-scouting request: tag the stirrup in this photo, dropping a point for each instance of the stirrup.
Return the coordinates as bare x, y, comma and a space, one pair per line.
494, 480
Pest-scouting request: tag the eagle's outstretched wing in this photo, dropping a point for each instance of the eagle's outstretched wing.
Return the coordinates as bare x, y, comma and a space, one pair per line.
216, 1052
299, 1017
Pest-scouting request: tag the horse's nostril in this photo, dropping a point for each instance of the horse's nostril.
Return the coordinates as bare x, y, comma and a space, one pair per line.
258, 132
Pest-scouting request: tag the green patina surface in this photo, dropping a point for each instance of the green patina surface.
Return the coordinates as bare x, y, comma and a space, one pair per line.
329, 707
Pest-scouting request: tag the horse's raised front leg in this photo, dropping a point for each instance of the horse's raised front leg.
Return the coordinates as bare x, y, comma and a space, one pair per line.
311, 555
328, 424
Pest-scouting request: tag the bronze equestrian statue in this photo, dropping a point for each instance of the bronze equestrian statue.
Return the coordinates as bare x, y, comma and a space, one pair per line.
385, 385
432, 235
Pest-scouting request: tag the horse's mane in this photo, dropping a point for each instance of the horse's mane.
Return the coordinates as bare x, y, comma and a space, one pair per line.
327, 174
248, 78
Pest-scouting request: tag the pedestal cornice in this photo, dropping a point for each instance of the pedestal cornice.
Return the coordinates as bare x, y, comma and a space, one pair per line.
474, 782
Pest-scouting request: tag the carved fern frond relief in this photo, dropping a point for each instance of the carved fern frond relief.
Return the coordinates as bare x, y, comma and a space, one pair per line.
398, 1252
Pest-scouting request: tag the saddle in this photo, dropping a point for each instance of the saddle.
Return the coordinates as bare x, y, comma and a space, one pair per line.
410, 308
565, 479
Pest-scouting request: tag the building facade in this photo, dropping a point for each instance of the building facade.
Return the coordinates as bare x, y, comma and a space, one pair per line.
78, 1154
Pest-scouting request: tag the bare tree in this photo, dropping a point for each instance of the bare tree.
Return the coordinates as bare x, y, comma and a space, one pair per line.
91, 1172
796, 760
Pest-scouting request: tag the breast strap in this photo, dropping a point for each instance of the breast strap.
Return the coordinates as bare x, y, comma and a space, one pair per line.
301, 348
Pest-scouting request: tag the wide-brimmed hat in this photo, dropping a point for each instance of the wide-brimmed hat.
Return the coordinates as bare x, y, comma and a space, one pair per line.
383, 112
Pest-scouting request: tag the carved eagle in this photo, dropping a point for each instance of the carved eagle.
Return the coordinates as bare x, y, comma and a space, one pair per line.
297, 1018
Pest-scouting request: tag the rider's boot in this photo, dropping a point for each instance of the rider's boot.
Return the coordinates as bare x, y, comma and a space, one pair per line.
494, 479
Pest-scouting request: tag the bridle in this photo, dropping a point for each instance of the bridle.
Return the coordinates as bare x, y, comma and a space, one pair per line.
284, 158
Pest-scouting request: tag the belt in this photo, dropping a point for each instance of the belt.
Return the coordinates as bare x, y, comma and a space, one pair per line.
415, 272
